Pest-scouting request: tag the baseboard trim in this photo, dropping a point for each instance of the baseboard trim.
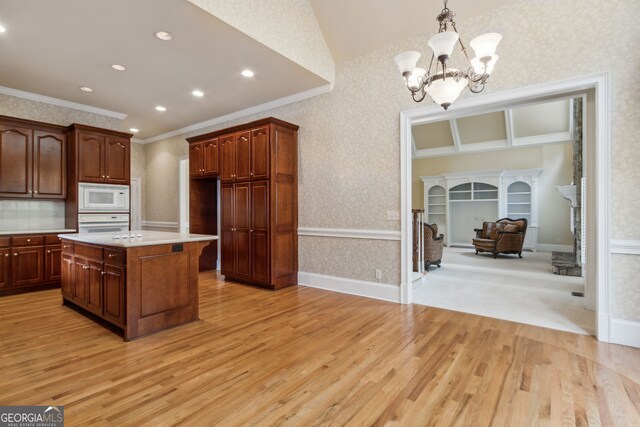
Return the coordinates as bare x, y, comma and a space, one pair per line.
629, 247
625, 332
381, 291
160, 224
350, 233
543, 247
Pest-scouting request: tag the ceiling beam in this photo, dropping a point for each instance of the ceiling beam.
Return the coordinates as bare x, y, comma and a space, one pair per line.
453, 123
508, 121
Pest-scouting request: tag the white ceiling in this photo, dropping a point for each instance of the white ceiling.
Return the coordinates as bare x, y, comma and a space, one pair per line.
53, 47
355, 27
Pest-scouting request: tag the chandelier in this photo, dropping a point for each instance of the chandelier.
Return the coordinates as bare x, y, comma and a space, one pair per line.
444, 85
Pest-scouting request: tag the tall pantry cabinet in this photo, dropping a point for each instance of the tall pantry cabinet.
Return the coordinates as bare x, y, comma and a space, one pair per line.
258, 171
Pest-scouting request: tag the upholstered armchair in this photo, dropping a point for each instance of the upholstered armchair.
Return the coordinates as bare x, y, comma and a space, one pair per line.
432, 245
505, 236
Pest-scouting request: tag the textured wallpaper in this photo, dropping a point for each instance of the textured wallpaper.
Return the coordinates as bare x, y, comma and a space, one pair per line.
41, 112
287, 26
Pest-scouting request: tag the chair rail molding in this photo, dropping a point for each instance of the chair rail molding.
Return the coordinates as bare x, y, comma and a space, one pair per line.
628, 247
350, 233
600, 173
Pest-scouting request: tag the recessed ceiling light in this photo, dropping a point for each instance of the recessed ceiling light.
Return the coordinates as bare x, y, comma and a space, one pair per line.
134, 130
164, 35
118, 67
86, 89
160, 108
247, 73
2, 29
198, 93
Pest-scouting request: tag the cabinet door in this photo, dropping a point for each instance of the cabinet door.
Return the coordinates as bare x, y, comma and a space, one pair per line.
53, 263
15, 162
211, 157
260, 153
241, 235
5, 265
227, 158
49, 165
227, 222
116, 160
260, 231
94, 287
28, 265
66, 280
196, 160
243, 157
114, 281
91, 157
80, 280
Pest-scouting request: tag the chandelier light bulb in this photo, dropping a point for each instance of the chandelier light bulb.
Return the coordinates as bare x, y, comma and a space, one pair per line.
485, 45
442, 45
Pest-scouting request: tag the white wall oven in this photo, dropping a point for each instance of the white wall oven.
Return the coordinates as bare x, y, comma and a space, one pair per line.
103, 198
103, 223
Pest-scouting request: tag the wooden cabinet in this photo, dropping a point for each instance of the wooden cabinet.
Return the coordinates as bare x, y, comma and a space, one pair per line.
53, 263
5, 267
49, 165
29, 263
33, 159
114, 279
16, 161
94, 279
203, 158
102, 156
258, 202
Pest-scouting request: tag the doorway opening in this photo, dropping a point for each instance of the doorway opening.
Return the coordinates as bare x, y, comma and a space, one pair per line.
479, 193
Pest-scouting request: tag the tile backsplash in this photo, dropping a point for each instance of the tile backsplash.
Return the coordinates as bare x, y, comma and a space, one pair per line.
31, 215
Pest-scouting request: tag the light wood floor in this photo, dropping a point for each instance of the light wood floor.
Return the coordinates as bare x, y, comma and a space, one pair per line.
308, 357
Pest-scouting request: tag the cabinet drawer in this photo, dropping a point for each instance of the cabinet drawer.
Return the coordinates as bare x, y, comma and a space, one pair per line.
112, 256
4, 242
92, 252
67, 247
28, 241
52, 239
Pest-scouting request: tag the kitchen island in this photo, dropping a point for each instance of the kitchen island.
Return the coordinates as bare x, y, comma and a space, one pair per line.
137, 283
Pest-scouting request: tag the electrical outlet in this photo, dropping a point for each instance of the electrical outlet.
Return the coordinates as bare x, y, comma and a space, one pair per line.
378, 275
393, 216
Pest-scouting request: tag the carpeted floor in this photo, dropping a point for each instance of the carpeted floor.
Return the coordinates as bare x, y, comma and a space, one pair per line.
521, 290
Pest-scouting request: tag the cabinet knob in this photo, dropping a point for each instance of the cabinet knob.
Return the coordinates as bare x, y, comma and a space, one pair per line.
36, 191
250, 231
112, 255
103, 272
108, 177
103, 176
49, 251
30, 192
251, 173
85, 267
6, 254
15, 254
28, 240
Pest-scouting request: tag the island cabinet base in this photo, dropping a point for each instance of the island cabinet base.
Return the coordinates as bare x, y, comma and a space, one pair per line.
138, 290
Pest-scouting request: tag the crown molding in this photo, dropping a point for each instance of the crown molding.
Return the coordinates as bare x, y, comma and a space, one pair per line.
60, 102
242, 113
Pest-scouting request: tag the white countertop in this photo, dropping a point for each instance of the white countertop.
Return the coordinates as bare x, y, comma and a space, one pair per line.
148, 238
37, 231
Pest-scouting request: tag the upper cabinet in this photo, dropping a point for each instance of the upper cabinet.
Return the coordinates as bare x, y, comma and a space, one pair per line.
33, 159
244, 156
203, 158
103, 156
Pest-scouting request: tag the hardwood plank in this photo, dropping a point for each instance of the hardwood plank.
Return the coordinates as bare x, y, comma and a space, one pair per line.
302, 356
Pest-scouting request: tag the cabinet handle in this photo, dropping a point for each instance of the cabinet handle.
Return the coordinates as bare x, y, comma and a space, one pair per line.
112, 255
103, 272
85, 267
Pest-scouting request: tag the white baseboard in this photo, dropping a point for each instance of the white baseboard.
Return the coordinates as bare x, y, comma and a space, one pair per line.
625, 332
543, 247
160, 224
343, 285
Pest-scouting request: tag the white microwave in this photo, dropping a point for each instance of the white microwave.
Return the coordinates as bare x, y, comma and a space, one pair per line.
103, 198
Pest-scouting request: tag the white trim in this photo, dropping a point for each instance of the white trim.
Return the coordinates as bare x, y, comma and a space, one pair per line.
508, 121
625, 332
246, 112
60, 102
455, 134
136, 203
500, 100
137, 140
381, 291
549, 138
183, 194
544, 247
629, 247
350, 233
160, 224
